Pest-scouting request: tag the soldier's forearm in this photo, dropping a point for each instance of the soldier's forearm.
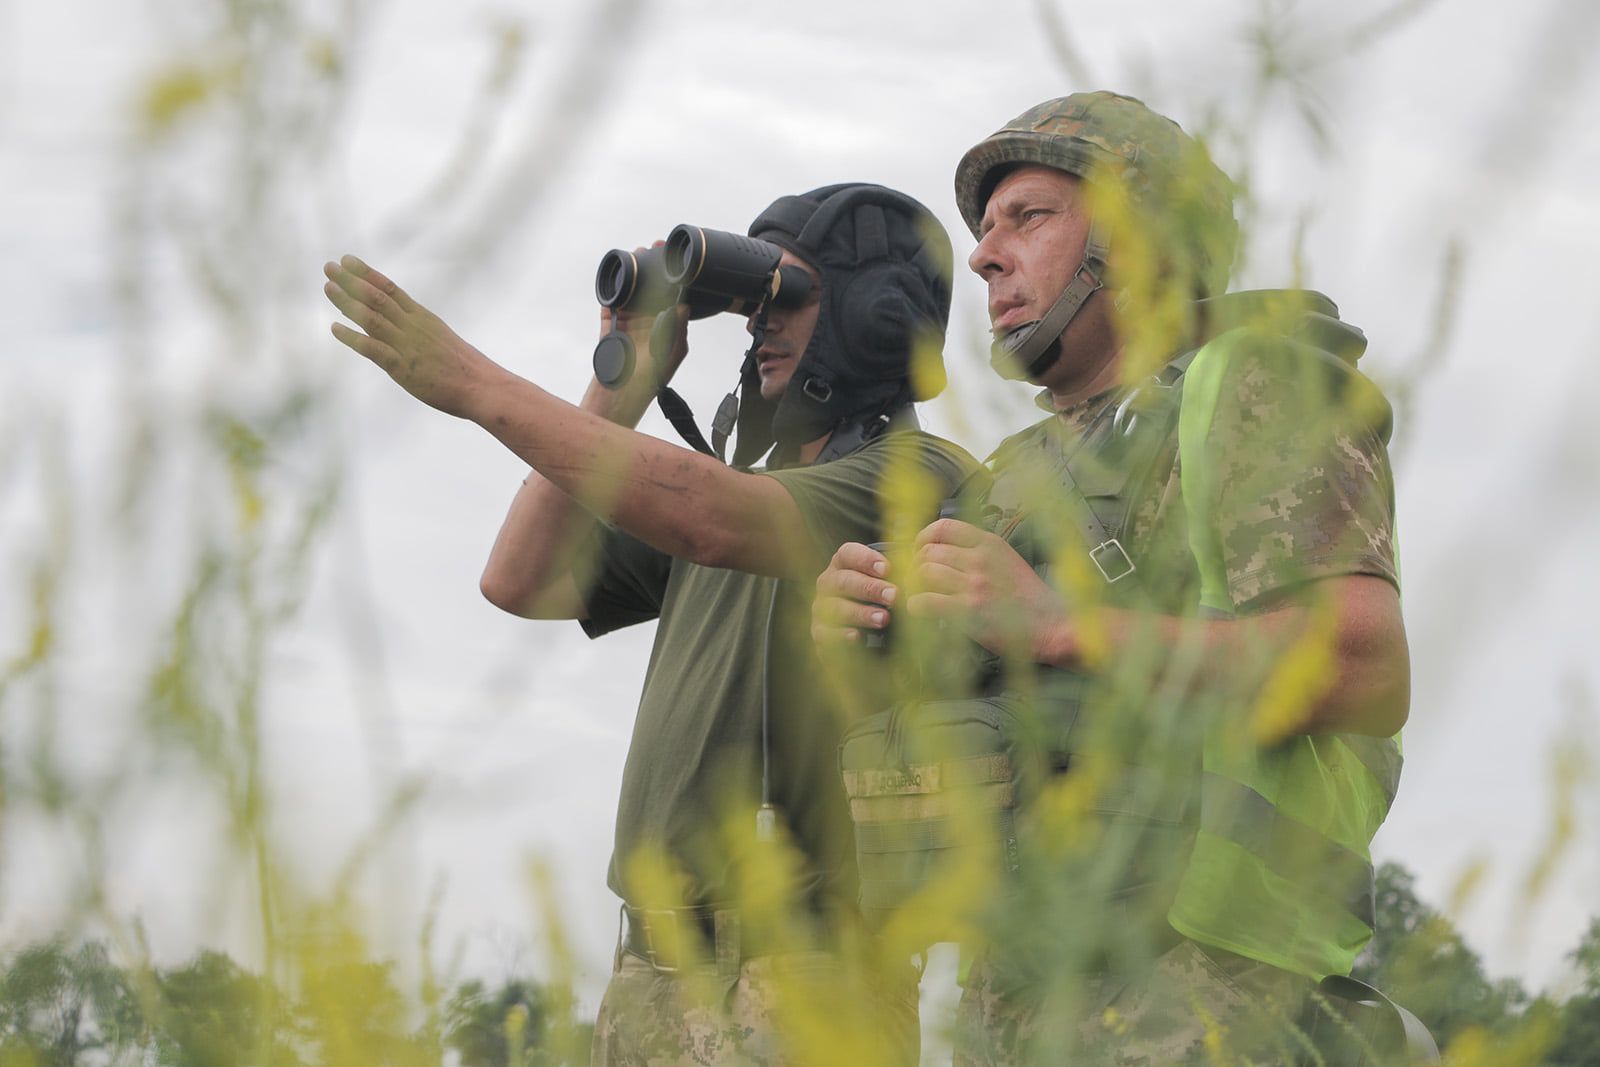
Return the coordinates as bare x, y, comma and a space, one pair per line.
690, 506
533, 569
1334, 661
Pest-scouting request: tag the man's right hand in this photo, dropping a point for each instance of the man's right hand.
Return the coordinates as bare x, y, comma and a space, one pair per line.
853, 594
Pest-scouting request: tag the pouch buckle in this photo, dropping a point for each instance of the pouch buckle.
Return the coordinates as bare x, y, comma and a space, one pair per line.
1112, 560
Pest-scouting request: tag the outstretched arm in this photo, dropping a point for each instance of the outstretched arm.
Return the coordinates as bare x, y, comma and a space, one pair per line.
686, 504
531, 569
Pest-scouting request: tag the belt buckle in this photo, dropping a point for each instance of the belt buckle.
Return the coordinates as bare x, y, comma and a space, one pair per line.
652, 952
1113, 553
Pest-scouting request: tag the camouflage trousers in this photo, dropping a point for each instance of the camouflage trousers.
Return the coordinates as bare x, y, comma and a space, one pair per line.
789, 1009
1191, 1007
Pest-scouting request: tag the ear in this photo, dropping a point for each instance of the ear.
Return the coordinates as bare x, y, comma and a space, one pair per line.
884, 312
876, 316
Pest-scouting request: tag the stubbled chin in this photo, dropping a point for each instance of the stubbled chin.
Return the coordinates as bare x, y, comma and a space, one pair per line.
772, 386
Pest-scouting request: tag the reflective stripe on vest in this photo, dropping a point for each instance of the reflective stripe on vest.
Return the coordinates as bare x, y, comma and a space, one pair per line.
1288, 848
1281, 869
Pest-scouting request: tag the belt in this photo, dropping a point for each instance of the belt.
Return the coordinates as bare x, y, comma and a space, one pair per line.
680, 939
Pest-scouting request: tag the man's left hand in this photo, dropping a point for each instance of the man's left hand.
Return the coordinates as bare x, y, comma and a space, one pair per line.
410, 343
973, 578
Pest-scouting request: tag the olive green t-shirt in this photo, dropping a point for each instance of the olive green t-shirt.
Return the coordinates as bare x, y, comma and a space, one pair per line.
695, 762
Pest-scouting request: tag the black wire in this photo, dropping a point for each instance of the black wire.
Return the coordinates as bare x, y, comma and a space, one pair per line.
766, 697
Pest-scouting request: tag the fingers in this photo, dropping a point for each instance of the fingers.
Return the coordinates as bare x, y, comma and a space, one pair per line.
357, 310
951, 532
823, 636
953, 556
367, 298
853, 585
947, 580
360, 343
936, 606
378, 281
851, 595
680, 324
836, 612
854, 556
855, 573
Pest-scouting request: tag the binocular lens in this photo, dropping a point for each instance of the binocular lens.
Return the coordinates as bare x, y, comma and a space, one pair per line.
633, 281
616, 277
685, 252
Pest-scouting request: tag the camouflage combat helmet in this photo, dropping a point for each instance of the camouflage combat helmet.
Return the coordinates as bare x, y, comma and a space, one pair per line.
1169, 181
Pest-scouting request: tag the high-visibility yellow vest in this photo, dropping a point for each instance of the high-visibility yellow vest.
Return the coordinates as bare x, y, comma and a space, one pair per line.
1281, 869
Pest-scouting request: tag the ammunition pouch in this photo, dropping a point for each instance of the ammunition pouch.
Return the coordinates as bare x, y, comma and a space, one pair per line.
936, 790
933, 791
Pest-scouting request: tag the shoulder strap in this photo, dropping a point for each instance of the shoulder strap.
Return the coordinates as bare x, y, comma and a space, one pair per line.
1146, 429
677, 411
1420, 1048
854, 434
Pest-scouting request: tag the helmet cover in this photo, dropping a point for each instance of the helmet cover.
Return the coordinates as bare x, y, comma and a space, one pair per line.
1168, 178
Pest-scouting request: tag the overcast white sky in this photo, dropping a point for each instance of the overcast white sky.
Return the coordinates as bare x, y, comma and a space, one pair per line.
1470, 120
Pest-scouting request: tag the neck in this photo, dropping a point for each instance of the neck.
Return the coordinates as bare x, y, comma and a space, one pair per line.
1070, 389
811, 450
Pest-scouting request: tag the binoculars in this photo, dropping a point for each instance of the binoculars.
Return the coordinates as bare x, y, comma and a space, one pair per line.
710, 271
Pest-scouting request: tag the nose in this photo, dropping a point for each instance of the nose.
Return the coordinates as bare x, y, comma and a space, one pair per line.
774, 321
988, 258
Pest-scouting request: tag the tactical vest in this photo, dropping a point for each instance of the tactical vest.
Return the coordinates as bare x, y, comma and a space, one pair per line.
935, 785
1279, 869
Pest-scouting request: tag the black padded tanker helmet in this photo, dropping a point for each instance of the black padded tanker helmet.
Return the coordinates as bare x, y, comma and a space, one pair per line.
885, 263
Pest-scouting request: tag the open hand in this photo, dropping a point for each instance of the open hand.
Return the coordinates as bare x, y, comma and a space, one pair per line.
410, 343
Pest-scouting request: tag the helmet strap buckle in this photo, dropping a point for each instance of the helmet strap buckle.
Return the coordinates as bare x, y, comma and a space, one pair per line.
1024, 353
817, 390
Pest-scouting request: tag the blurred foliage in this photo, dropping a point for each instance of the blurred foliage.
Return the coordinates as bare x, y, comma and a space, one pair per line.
227, 468
227, 486
64, 1006
1420, 959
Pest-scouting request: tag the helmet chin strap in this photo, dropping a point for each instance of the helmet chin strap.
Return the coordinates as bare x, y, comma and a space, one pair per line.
1028, 350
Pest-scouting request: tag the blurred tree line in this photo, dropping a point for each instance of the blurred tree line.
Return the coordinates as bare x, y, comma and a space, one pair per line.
1420, 960
63, 1004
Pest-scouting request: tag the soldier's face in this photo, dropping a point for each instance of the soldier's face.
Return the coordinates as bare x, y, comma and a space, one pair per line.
1034, 230
788, 332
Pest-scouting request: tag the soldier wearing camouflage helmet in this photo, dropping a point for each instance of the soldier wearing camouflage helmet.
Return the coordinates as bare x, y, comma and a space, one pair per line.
1209, 499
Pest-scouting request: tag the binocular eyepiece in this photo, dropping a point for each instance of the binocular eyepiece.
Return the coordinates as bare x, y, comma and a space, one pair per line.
710, 271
